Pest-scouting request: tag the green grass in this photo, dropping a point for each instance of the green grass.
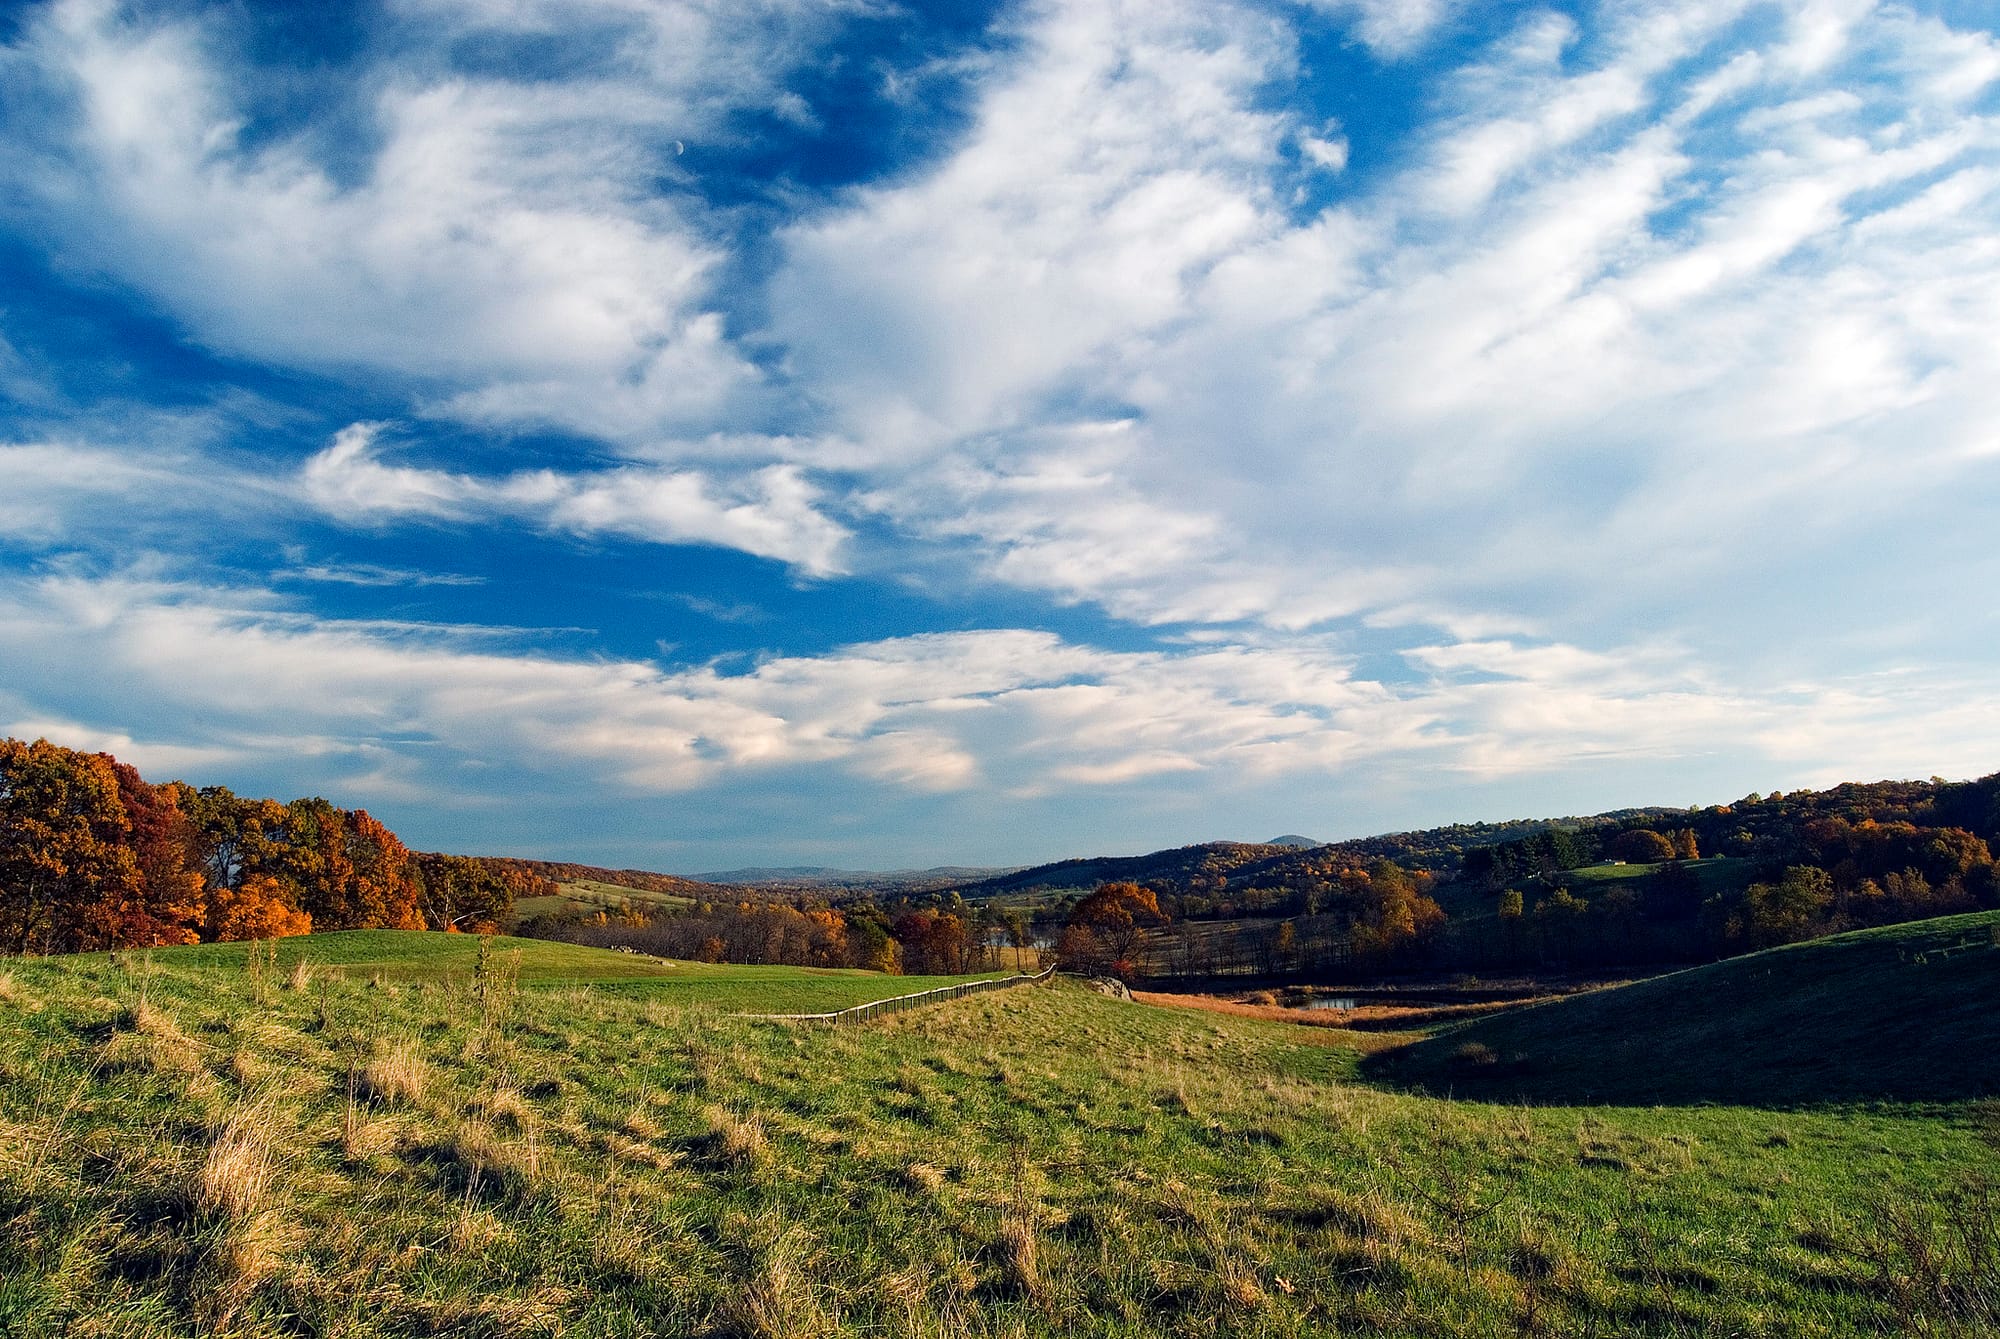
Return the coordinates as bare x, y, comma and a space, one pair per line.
586, 896
189, 1144
1714, 874
1906, 1012
410, 956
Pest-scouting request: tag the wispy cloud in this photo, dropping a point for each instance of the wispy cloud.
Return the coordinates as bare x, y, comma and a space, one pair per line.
1625, 390
504, 254
772, 512
372, 574
213, 672
1659, 293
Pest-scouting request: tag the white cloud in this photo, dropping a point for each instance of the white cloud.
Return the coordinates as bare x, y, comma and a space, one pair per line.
43, 483
1111, 165
772, 512
123, 482
504, 254
1391, 28
205, 676
1634, 307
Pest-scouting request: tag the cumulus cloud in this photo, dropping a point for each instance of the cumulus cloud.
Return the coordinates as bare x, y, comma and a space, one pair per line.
772, 512
504, 253
206, 674
1633, 303
1564, 405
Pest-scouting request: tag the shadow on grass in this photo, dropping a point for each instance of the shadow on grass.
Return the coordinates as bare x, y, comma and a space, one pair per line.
1900, 1014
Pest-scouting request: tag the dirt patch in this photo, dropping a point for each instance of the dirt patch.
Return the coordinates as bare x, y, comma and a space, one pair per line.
1372, 1026
1332, 1026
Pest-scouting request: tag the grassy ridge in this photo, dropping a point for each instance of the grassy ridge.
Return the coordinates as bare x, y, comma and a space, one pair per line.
1904, 1012
417, 956
191, 1144
584, 896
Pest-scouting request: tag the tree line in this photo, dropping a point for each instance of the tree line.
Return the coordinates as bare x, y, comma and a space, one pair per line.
948, 940
93, 856
1379, 917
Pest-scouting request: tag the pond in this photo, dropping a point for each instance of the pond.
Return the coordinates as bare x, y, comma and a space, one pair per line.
1331, 1002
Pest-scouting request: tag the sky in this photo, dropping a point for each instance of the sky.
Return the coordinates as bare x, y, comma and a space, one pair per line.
842, 432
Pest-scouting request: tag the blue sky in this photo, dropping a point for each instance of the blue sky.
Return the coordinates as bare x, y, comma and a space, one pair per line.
839, 432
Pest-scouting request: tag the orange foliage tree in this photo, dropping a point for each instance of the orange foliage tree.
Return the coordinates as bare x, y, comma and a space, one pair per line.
66, 871
258, 908
92, 856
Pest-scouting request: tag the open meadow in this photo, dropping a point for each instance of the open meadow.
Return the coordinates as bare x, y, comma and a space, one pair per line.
388, 1135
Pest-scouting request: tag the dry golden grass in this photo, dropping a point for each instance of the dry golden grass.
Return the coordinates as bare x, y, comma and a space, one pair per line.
1366, 1029
641, 1124
245, 1068
363, 1140
243, 1255
233, 1178
10, 990
739, 1140
778, 1301
154, 1043
923, 1177
301, 975
1019, 1252
503, 1106
398, 1077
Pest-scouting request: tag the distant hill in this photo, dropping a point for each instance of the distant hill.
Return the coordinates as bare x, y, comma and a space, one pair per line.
1208, 864
1219, 866
821, 876
1904, 1012
563, 871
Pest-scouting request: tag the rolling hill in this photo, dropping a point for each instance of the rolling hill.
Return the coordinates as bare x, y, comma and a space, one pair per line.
368, 1135
1904, 1012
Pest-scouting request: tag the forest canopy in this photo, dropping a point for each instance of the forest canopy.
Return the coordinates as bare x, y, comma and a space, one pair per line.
93, 856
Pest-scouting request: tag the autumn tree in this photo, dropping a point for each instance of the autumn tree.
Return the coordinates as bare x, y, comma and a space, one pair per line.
1641, 846
66, 870
1104, 929
935, 942
382, 881
259, 907
1390, 911
169, 907
458, 892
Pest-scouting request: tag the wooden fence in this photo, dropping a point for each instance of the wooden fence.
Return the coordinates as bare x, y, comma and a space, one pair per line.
862, 1013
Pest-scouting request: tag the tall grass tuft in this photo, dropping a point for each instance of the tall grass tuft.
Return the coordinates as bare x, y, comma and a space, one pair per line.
397, 1078
737, 1140
234, 1176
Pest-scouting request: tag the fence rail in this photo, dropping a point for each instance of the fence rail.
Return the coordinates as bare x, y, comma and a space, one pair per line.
862, 1013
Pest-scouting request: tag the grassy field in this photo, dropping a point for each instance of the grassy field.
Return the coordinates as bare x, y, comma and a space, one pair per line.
411, 957
583, 896
1908, 1012
209, 1142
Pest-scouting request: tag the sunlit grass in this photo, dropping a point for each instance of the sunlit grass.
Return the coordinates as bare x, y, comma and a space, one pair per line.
386, 1153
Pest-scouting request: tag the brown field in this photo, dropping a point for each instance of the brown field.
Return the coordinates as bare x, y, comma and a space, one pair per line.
1375, 1026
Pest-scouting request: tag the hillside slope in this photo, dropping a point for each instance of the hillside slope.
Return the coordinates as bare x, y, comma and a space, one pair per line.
204, 1141
1905, 1012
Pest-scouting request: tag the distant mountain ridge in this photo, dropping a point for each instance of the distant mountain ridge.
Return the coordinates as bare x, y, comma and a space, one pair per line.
565, 871
1206, 863
1225, 865
824, 876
